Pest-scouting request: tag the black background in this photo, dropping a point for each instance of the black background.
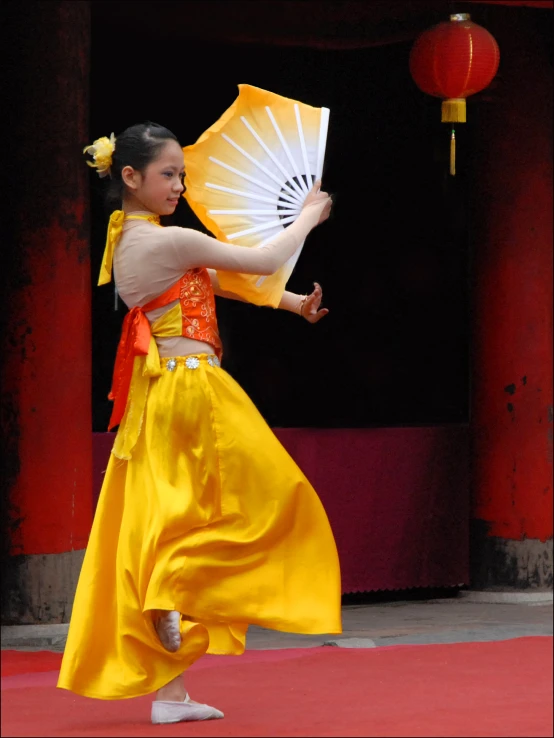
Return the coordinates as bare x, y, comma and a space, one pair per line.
392, 260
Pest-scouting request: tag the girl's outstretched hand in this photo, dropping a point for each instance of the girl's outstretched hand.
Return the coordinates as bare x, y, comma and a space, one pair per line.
316, 198
311, 308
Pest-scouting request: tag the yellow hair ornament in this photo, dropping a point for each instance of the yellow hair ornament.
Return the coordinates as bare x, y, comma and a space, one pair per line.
101, 150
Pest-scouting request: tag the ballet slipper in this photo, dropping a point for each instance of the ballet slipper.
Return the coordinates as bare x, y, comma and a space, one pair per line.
168, 630
166, 711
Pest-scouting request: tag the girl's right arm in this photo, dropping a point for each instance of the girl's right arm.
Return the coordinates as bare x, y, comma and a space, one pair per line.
194, 249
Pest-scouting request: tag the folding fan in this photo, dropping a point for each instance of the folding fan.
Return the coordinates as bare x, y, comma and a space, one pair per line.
248, 175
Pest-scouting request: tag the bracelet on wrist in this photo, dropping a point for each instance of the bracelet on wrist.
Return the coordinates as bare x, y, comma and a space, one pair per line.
301, 305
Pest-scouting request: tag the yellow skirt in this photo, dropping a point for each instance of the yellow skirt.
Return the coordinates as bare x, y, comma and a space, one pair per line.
210, 517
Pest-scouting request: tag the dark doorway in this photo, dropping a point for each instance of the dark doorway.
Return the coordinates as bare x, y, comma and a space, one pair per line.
392, 261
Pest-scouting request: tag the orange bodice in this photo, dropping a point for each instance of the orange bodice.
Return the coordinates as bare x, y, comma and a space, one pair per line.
196, 296
197, 321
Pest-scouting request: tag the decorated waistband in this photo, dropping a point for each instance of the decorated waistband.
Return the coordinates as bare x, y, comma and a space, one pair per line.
190, 362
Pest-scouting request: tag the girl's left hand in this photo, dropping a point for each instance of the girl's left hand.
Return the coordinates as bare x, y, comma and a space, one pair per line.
310, 309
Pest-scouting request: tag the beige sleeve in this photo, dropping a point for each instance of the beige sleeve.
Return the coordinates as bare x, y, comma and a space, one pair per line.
191, 249
290, 300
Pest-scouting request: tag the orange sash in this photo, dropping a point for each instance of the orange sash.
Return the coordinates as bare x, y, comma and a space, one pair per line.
134, 341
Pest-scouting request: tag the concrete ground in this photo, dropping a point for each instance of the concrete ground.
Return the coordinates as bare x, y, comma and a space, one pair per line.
465, 617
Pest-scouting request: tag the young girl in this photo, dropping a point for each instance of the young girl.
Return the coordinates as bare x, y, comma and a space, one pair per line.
204, 523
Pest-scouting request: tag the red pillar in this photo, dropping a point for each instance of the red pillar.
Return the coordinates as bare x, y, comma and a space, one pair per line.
512, 313
46, 351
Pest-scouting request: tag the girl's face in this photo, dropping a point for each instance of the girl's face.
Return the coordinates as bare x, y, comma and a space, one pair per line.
158, 189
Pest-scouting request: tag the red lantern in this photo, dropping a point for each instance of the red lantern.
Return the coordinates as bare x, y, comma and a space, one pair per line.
453, 60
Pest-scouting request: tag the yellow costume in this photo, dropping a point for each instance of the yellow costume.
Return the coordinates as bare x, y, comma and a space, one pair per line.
205, 513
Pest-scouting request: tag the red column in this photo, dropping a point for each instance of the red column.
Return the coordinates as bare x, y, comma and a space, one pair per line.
46, 352
512, 314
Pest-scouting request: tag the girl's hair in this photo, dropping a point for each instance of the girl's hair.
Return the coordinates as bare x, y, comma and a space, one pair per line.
136, 147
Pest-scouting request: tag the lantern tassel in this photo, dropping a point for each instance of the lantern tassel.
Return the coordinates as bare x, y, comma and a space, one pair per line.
453, 110
453, 153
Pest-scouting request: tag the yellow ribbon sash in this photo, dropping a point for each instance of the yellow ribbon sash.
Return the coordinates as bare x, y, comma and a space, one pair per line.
115, 228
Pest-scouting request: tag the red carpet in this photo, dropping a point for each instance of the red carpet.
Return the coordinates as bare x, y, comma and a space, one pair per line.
467, 689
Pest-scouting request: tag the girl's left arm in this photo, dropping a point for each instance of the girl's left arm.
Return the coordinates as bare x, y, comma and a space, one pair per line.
308, 306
